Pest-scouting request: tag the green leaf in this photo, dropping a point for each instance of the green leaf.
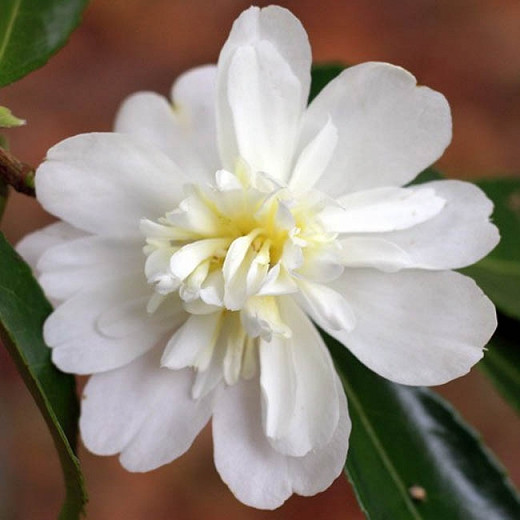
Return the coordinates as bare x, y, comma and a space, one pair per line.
23, 309
323, 74
31, 31
8, 119
499, 273
407, 440
502, 361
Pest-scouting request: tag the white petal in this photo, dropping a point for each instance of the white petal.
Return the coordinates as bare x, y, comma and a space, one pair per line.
321, 264
105, 183
416, 327
264, 95
299, 397
188, 257
326, 305
237, 346
142, 411
314, 158
244, 271
458, 236
194, 98
210, 363
389, 129
278, 281
258, 475
370, 251
194, 215
200, 332
85, 263
80, 345
382, 209
316, 471
32, 246
278, 383
261, 317
226, 181
277, 44
186, 131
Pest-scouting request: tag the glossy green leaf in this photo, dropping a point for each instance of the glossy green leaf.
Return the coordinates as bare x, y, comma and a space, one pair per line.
23, 309
406, 442
502, 360
31, 31
499, 273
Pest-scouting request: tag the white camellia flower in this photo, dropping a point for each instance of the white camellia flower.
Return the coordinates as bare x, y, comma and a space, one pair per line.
202, 239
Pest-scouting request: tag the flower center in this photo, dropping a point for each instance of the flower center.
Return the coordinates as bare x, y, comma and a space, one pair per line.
228, 252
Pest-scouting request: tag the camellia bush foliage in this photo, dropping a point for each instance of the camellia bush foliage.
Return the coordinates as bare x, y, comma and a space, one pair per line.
410, 455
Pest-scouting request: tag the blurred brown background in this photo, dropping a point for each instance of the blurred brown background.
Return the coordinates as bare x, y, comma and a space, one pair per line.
467, 49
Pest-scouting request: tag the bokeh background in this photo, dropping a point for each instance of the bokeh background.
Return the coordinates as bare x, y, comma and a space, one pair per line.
467, 49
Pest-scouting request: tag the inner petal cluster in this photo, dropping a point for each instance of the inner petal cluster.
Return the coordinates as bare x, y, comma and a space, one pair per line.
236, 246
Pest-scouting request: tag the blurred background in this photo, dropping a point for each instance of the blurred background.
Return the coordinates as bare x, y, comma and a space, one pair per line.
467, 49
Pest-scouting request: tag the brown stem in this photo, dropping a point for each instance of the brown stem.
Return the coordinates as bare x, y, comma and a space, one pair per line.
16, 173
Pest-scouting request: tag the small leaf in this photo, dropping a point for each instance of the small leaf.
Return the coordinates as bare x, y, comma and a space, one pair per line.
499, 273
8, 119
31, 31
412, 457
502, 361
23, 309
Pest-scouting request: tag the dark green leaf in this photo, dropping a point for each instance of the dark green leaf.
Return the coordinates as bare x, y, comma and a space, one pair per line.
23, 309
407, 441
428, 175
31, 31
502, 360
321, 75
499, 273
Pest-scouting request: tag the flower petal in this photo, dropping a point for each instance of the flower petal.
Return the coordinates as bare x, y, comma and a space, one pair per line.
263, 96
142, 411
258, 475
389, 129
314, 158
381, 209
32, 246
315, 472
299, 397
185, 131
105, 183
459, 235
369, 251
416, 327
198, 333
85, 263
263, 84
328, 305
85, 341
194, 95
